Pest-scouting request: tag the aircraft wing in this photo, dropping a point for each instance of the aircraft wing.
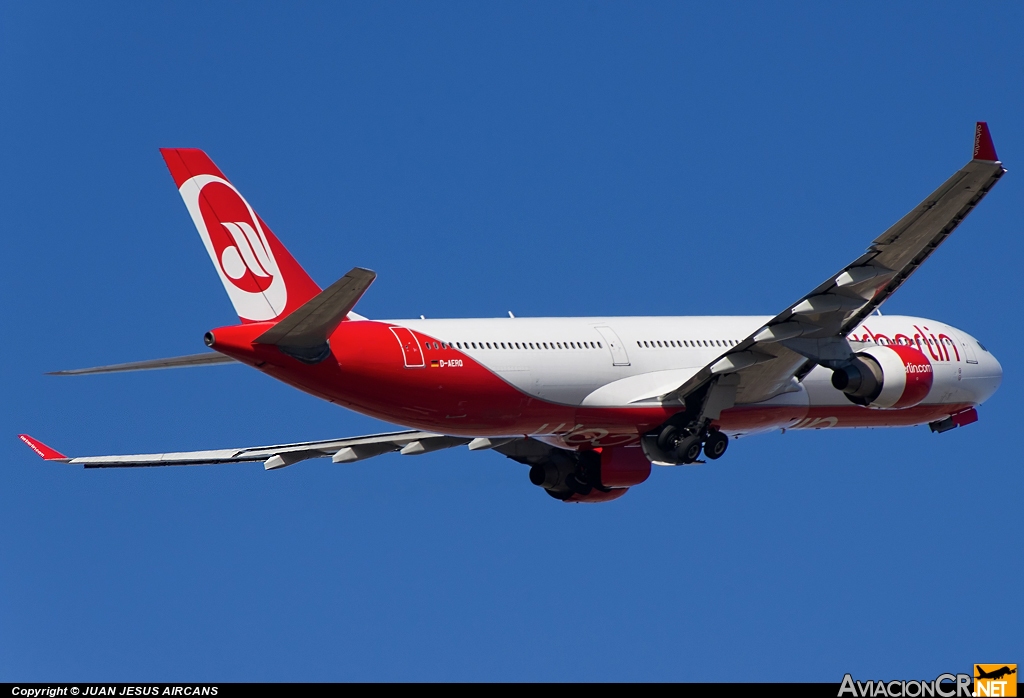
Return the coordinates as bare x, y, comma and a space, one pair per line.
339, 450
814, 328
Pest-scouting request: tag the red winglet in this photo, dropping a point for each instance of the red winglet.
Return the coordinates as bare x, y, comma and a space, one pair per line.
41, 449
983, 148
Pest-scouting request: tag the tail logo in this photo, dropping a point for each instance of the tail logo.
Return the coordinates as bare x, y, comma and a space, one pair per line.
248, 254
236, 242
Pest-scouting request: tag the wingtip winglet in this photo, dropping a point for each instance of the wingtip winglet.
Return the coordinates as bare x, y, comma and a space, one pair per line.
41, 449
983, 147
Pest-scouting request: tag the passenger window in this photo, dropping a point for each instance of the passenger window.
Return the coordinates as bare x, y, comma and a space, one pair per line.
599, 345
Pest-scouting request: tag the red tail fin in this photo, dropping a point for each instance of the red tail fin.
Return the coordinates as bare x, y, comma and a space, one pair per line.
261, 277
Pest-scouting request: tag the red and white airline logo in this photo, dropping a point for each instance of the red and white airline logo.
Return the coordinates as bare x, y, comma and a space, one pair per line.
238, 246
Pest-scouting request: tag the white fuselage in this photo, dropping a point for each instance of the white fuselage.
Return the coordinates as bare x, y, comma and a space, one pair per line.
624, 361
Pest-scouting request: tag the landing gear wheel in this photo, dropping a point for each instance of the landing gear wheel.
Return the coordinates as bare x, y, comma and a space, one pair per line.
688, 449
667, 438
716, 444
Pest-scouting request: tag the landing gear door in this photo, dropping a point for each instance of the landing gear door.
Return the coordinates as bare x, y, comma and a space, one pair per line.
616, 347
411, 350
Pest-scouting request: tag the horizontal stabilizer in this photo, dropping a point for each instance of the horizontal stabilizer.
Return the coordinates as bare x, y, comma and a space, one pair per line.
204, 359
303, 334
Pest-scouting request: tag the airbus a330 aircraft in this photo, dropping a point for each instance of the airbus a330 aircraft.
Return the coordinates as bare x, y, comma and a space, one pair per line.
587, 403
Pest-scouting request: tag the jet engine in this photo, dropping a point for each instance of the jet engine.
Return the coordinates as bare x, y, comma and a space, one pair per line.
894, 377
599, 475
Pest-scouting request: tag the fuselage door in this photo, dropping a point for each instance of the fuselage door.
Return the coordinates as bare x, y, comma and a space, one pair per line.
616, 347
968, 346
411, 349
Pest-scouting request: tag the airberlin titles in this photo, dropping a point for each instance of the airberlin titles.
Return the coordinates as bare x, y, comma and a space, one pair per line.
938, 348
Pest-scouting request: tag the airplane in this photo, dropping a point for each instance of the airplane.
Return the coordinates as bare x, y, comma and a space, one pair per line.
995, 674
588, 403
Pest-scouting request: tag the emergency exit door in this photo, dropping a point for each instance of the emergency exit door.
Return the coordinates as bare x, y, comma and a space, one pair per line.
412, 352
616, 347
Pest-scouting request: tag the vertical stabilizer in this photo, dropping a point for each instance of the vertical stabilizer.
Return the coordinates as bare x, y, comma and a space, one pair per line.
262, 279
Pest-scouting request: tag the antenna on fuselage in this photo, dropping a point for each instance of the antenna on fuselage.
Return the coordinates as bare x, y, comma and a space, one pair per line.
511, 315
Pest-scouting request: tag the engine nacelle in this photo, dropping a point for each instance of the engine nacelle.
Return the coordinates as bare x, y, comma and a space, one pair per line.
600, 475
622, 466
596, 496
894, 377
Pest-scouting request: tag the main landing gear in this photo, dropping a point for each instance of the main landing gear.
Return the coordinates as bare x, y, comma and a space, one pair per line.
715, 444
684, 445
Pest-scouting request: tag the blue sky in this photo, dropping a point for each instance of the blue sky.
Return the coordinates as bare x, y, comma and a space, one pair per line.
544, 158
